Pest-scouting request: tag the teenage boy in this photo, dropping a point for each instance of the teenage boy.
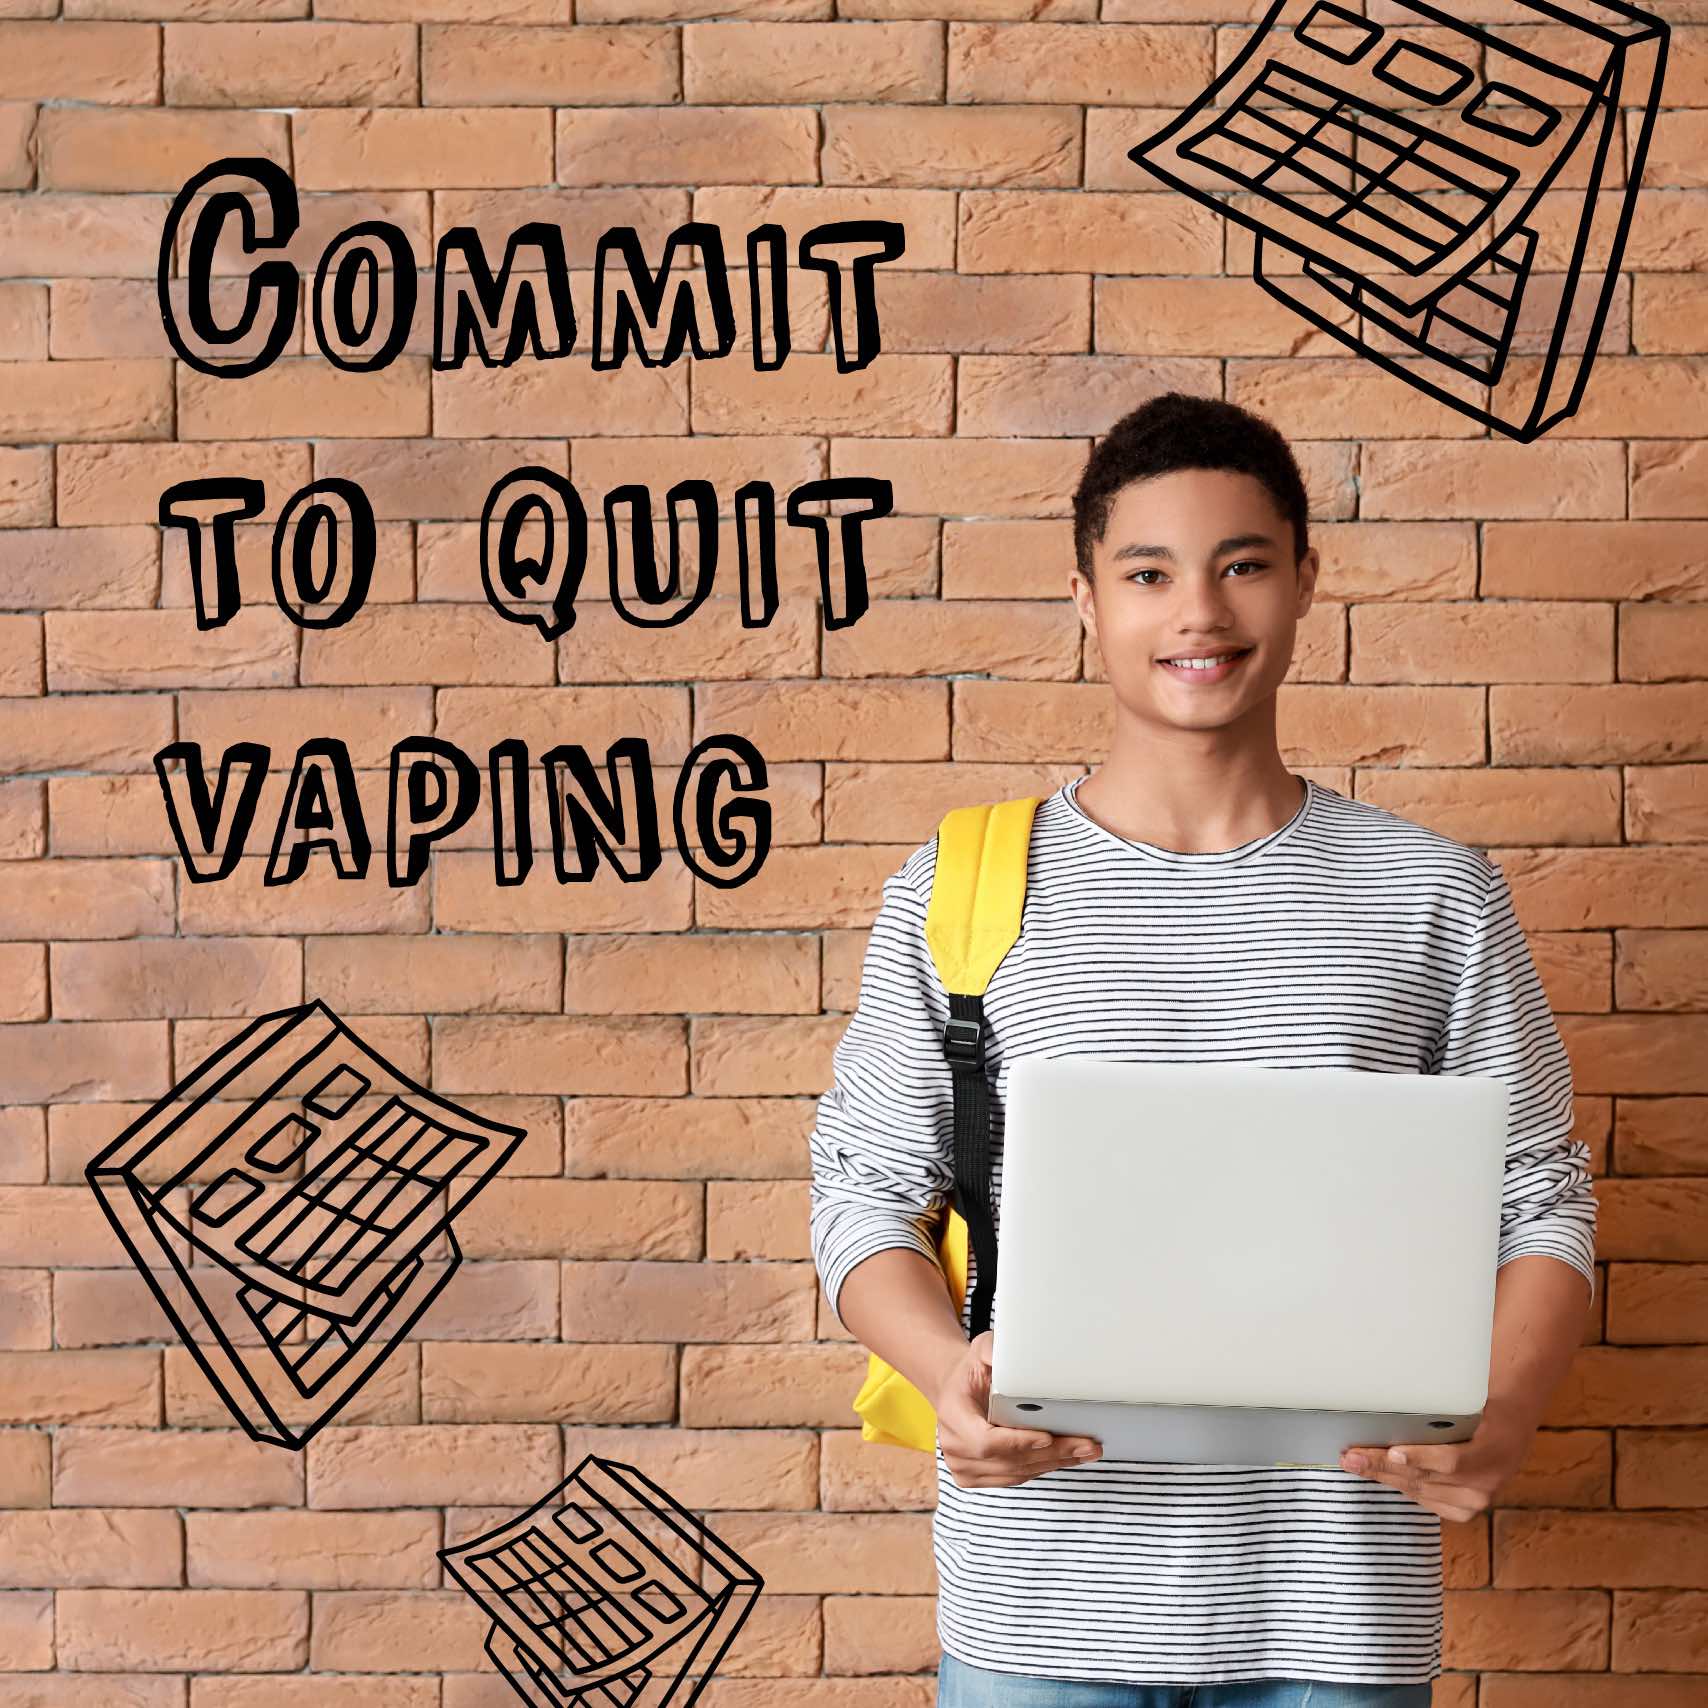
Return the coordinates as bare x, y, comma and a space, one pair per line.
1193, 900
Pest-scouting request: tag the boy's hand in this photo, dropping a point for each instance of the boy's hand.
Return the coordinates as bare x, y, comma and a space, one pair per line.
1455, 1481
982, 1454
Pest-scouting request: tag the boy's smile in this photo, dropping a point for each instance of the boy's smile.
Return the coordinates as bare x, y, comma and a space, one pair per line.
1210, 667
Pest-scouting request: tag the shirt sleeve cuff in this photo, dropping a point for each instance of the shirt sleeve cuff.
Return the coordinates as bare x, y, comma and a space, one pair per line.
1565, 1243
840, 1251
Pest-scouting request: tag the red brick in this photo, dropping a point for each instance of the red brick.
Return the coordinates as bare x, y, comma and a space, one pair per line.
148, 149
55, 1226
812, 1553
1077, 62
866, 1476
1666, 477
26, 1310
841, 61
1472, 641
23, 322
295, 397
1661, 1467
108, 1549
810, 1386
1601, 1549
1512, 1630
318, 1690
116, 1467
312, 1550
44, 1061
757, 1219
642, 974
23, 823
20, 655
80, 61
880, 1633
986, 147
23, 981
68, 1690
1431, 479
445, 148
1660, 1629
205, 1630
546, 64
25, 1468
84, 236
80, 1387
726, 1137
1591, 724
669, 145
375, 1631
289, 64
1089, 231
67, 568
688, 1301
1661, 1135
160, 977
23, 1146
499, 1383
84, 732
26, 480
26, 1630
798, 888
1594, 560
431, 1465
86, 400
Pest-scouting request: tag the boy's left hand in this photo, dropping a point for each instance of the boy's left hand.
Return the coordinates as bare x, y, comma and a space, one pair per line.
1455, 1481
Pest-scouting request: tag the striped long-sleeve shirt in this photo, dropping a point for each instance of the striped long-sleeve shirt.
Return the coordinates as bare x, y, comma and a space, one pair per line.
1349, 937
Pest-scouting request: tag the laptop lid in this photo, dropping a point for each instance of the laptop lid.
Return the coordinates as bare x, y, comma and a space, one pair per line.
1242, 1236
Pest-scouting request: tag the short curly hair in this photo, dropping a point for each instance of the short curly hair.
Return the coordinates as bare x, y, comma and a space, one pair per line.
1180, 431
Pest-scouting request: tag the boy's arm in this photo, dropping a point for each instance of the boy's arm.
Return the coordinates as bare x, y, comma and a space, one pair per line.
1500, 1024
883, 1152
1538, 1327
895, 1304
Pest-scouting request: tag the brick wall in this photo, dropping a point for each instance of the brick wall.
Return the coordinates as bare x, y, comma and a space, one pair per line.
1507, 644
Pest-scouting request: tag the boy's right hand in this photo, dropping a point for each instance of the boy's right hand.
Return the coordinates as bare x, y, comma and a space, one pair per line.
982, 1454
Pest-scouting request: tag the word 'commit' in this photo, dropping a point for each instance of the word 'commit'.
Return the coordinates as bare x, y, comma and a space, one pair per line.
501, 317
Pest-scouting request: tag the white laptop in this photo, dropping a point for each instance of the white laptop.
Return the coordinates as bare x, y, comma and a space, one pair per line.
1236, 1265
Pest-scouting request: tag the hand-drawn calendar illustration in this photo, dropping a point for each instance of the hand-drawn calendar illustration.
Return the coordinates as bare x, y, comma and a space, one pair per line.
1407, 163
289, 1204
606, 1593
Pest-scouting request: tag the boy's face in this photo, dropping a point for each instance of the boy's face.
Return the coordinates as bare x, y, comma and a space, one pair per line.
1200, 560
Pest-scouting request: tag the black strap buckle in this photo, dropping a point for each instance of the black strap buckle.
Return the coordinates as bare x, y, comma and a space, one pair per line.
967, 1045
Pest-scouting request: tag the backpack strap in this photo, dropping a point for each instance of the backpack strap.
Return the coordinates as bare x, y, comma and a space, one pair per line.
978, 890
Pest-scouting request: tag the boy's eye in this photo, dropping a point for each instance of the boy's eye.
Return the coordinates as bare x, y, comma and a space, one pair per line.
1243, 563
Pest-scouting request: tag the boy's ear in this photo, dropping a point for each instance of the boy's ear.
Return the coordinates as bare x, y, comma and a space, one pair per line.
1307, 566
1085, 605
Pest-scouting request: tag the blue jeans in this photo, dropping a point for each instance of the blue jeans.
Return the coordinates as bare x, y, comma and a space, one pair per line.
963, 1686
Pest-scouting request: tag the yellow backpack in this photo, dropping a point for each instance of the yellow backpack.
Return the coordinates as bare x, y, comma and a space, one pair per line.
978, 889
